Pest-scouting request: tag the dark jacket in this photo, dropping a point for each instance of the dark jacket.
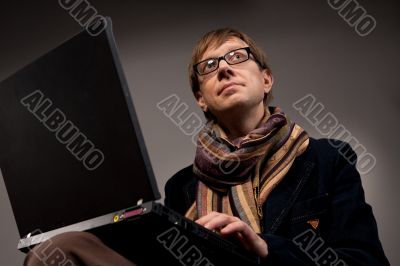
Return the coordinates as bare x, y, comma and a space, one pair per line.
322, 188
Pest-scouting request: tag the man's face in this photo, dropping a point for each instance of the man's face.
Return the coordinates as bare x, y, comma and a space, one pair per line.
231, 87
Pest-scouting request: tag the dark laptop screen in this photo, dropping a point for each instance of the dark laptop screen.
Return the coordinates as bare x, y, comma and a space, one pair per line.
70, 144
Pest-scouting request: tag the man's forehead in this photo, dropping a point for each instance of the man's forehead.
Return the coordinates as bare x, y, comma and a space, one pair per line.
230, 44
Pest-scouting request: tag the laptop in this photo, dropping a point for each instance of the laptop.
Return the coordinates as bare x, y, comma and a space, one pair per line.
73, 158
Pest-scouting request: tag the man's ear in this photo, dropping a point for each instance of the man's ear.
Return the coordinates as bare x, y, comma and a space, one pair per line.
200, 101
268, 81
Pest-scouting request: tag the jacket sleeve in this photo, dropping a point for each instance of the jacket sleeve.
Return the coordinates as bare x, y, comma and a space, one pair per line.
351, 236
172, 199
178, 195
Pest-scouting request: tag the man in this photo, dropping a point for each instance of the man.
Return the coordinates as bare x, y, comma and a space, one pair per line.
288, 198
257, 176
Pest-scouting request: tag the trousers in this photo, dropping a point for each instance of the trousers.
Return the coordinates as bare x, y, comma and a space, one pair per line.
74, 249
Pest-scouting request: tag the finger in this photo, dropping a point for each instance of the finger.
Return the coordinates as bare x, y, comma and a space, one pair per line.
237, 226
249, 239
220, 221
206, 218
241, 231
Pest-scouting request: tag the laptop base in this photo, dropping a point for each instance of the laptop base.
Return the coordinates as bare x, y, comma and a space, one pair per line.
152, 228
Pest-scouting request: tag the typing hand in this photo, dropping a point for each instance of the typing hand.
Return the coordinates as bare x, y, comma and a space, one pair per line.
228, 225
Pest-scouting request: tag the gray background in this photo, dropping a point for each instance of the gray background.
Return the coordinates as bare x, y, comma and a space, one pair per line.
311, 50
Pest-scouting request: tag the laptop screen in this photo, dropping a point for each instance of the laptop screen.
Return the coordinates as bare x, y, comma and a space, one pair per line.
70, 144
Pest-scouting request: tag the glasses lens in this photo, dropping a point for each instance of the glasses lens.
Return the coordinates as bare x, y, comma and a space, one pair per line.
207, 66
237, 56
232, 58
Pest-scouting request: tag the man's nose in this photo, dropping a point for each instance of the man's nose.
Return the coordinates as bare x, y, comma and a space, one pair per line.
223, 64
224, 70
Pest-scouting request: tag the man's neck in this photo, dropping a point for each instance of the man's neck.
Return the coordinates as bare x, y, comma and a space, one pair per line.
240, 123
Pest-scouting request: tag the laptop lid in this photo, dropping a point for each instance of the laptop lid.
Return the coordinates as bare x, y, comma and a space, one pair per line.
71, 147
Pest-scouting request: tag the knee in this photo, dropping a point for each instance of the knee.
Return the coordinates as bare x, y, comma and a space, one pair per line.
70, 240
60, 247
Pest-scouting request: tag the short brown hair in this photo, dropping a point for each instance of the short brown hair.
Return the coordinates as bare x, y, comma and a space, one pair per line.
216, 38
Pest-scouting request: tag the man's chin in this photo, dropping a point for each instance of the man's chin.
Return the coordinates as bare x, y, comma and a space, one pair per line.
232, 107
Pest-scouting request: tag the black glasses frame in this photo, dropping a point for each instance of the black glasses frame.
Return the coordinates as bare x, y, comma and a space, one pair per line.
248, 50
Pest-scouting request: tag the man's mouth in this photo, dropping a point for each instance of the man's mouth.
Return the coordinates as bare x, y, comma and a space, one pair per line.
227, 86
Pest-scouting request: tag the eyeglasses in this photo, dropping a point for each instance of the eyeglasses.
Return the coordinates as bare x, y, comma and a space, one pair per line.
233, 57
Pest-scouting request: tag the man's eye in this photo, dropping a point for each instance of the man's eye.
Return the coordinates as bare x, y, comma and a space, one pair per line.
236, 56
209, 64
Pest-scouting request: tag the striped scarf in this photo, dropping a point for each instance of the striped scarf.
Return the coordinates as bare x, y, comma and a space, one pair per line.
236, 177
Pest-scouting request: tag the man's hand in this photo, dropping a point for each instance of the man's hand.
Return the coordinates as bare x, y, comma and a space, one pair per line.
228, 225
